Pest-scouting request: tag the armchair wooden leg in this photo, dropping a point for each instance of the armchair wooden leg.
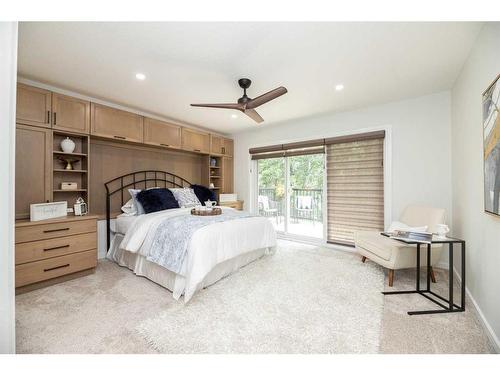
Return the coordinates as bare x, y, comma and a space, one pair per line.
363, 259
433, 276
391, 277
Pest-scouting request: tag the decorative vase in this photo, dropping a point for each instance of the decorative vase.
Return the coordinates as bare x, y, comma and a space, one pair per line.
67, 145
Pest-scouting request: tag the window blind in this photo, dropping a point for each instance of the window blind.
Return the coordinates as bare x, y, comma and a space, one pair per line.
355, 186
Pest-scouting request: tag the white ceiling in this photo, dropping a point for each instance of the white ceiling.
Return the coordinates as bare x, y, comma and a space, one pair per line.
201, 63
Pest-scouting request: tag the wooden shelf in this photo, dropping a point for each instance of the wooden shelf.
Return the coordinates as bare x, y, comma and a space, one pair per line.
68, 191
71, 170
215, 176
69, 153
214, 167
215, 188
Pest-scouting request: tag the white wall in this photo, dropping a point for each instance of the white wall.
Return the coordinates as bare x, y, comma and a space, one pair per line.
420, 132
479, 229
8, 71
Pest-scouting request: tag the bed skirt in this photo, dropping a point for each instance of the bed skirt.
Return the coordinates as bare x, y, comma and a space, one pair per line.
174, 282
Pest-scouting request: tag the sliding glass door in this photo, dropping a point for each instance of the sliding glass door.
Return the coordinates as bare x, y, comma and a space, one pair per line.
290, 193
271, 191
305, 198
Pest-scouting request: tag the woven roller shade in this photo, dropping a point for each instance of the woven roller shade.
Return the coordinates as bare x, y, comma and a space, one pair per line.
355, 187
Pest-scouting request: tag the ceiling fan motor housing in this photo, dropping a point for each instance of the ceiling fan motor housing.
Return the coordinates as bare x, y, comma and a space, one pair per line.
244, 84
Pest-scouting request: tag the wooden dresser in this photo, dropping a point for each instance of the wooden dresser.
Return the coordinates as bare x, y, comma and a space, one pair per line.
56, 250
238, 205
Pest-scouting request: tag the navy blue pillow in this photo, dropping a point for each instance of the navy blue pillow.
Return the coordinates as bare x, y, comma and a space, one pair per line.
153, 200
203, 193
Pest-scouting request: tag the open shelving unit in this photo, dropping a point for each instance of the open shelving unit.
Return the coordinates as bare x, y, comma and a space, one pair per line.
79, 173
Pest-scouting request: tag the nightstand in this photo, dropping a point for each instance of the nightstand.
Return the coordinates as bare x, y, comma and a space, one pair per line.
238, 205
55, 250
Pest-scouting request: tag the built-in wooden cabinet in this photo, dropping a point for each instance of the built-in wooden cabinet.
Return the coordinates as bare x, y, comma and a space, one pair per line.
227, 175
116, 124
160, 133
33, 106
33, 167
70, 114
221, 146
193, 140
216, 144
228, 147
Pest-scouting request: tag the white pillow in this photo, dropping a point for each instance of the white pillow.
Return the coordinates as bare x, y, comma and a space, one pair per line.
185, 197
397, 225
129, 208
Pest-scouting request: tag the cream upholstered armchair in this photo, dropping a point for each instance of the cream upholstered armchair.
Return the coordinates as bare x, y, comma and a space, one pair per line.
394, 254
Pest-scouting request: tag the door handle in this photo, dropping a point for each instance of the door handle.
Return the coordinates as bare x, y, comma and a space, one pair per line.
54, 230
119, 137
48, 117
55, 268
56, 248
55, 118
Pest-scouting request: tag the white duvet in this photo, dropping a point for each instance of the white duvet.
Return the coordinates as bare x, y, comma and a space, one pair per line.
209, 246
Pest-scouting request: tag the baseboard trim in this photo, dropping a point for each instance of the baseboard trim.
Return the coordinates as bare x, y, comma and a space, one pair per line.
494, 340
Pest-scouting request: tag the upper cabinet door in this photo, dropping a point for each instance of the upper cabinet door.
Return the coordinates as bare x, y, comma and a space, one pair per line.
160, 133
216, 144
116, 124
33, 106
193, 140
228, 147
70, 114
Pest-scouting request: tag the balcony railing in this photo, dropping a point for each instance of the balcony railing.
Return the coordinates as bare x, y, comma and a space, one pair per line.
301, 206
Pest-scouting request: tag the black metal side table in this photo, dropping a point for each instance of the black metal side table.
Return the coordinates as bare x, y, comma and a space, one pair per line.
447, 305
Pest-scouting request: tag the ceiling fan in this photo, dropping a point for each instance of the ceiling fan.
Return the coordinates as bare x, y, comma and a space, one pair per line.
246, 104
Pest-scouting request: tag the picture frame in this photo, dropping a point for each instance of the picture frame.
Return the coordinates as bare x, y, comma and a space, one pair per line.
491, 147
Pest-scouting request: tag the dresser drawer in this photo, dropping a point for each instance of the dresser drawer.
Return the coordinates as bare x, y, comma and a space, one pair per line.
44, 249
37, 232
33, 272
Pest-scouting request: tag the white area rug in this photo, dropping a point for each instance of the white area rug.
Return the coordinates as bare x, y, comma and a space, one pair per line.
303, 299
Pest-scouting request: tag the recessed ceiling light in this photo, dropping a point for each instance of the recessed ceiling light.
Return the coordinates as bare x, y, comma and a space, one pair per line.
339, 87
234, 115
140, 76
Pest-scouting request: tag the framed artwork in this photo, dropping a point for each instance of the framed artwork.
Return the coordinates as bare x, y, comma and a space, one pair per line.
491, 147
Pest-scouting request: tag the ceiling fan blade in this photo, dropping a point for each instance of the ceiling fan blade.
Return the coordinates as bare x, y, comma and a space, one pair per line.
221, 105
252, 113
268, 96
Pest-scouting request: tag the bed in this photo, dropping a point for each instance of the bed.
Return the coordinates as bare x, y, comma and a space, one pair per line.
213, 251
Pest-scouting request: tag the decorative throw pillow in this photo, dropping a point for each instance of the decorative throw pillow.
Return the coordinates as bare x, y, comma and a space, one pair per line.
203, 193
186, 197
153, 200
137, 205
129, 208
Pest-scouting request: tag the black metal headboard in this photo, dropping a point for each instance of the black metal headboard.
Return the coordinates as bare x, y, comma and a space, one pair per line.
137, 180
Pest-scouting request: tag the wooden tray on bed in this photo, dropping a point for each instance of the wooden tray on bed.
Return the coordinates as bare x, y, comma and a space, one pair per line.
213, 212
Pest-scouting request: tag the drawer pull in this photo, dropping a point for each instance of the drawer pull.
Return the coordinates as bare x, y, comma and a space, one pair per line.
119, 137
163, 144
55, 248
55, 268
197, 150
55, 230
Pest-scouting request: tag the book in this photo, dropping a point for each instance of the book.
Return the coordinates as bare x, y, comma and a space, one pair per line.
422, 237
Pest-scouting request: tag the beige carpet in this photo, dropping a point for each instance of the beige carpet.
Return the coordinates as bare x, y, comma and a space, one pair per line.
314, 300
